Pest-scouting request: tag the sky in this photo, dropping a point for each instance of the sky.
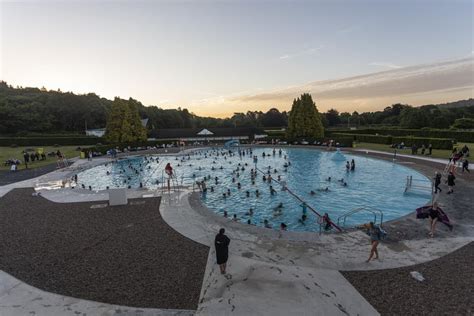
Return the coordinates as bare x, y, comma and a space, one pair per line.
220, 57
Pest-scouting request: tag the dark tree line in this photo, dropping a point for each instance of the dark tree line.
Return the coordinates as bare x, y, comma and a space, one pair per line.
405, 116
26, 111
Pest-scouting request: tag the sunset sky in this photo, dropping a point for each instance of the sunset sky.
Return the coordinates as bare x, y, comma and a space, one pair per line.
220, 57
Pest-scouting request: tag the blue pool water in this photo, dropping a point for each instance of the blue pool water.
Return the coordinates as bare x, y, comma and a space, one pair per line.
374, 183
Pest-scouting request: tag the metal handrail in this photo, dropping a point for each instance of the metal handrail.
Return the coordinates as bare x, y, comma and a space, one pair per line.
372, 210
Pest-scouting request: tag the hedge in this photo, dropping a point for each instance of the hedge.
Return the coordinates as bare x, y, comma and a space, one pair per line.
437, 143
104, 148
50, 141
459, 136
376, 139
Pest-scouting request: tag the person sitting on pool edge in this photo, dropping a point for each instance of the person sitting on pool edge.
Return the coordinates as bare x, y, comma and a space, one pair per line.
283, 226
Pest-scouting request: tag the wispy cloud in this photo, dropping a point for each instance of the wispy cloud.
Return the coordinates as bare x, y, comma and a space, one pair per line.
384, 64
308, 51
347, 29
420, 84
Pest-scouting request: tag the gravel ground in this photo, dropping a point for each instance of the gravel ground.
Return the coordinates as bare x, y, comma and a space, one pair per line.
448, 288
7, 177
123, 255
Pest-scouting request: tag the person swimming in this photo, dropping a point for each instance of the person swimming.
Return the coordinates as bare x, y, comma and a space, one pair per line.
266, 224
234, 218
272, 190
247, 193
225, 214
312, 192
250, 212
304, 208
257, 193
328, 179
353, 165
283, 226
348, 166
326, 189
302, 220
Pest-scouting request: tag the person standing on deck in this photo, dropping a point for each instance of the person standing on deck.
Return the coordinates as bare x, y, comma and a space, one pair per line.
437, 182
450, 182
222, 249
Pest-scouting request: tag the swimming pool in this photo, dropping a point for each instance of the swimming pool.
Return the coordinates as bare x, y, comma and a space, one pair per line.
374, 183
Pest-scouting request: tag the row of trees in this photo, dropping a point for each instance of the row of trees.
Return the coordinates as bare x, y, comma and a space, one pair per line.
455, 114
33, 110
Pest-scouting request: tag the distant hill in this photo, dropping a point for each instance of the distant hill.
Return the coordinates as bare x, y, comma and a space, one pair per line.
457, 104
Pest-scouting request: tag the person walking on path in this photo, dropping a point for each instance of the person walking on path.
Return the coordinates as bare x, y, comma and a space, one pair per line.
375, 234
437, 182
430, 149
434, 217
450, 182
465, 165
222, 249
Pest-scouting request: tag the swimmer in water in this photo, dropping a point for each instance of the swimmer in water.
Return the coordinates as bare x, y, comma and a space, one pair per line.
304, 208
326, 189
225, 214
302, 220
272, 190
283, 226
328, 179
266, 224
257, 193
247, 193
312, 192
250, 212
348, 166
234, 218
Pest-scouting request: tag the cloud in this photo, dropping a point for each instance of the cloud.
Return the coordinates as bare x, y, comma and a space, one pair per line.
416, 85
304, 52
384, 64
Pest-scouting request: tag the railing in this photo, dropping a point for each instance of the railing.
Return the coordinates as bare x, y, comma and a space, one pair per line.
410, 186
372, 210
298, 198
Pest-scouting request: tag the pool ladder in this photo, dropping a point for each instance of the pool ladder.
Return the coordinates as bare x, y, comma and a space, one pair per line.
356, 210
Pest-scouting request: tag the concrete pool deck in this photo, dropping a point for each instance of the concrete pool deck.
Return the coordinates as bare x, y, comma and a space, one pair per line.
294, 272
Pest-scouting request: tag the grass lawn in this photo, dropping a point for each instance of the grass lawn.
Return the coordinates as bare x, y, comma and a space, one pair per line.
9, 152
437, 153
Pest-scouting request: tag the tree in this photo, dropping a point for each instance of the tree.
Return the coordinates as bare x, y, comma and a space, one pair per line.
332, 117
123, 122
304, 120
273, 118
